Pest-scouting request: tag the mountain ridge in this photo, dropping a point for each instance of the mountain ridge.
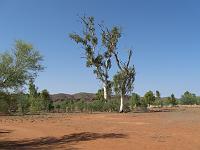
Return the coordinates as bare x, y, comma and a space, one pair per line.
76, 96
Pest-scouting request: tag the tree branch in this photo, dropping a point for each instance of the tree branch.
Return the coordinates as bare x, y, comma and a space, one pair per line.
117, 60
129, 58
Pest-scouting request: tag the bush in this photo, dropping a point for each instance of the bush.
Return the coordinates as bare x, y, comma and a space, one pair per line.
36, 104
141, 107
8, 103
3, 102
98, 105
102, 106
80, 105
45, 97
57, 107
149, 98
23, 103
65, 106
198, 100
135, 101
100, 94
112, 106
188, 98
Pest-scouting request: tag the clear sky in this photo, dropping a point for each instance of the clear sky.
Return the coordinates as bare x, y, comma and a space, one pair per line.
164, 34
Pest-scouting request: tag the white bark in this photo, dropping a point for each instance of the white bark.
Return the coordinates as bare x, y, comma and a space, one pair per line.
121, 104
105, 92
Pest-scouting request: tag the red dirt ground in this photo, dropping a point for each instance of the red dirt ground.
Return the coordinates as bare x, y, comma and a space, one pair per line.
178, 130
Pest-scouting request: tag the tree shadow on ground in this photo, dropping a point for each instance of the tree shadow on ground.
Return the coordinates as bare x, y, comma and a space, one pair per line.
2, 131
64, 142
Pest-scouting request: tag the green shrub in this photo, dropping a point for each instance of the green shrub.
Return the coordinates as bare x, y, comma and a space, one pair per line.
3, 102
149, 98
98, 105
112, 106
80, 105
135, 101
45, 97
36, 104
188, 98
198, 100
23, 103
143, 102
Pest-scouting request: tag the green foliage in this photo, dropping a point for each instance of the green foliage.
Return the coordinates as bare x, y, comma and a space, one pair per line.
135, 101
158, 102
81, 105
23, 103
149, 98
32, 89
198, 100
90, 107
38, 101
98, 105
173, 100
70, 105
103, 106
143, 102
18, 67
46, 101
36, 104
34, 99
93, 45
188, 98
58, 106
123, 81
100, 94
12, 103
3, 102
112, 106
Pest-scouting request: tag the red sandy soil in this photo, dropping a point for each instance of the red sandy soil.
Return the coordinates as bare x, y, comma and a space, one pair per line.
178, 130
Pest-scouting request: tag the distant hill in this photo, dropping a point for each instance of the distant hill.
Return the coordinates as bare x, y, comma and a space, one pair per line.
77, 96
84, 96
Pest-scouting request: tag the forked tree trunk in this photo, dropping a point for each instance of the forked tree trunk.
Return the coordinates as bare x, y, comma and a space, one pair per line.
121, 104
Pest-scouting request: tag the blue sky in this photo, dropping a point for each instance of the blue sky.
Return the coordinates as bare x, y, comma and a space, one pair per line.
164, 34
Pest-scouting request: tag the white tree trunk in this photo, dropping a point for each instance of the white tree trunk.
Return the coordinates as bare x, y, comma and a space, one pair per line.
105, 92
121, 104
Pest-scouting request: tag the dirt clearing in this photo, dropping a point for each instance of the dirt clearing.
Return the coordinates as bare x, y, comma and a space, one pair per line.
178, 130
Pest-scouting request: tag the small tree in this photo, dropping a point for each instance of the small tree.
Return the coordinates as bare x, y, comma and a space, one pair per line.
149, 98
158, 99
173, 100
96, 58
23, 103
188, 98
32, 89
45, 100
123, 80
33, 96
135, 100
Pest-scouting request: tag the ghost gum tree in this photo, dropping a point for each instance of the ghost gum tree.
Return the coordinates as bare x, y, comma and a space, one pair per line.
19, 66
98, 49
123, 80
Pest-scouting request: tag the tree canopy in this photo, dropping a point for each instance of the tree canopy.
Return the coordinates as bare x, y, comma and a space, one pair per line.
98, 49
19, 65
